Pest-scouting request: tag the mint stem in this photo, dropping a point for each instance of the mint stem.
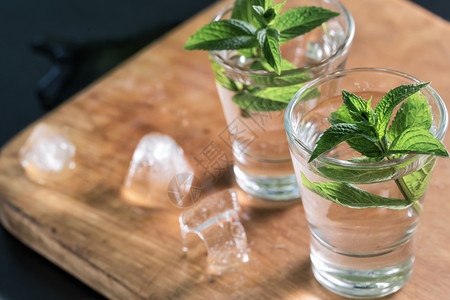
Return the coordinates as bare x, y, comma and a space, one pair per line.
403, 187
407, 194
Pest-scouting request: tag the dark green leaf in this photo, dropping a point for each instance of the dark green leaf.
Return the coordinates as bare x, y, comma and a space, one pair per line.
264, 17
266, 4
360, 144
337, 134
223, 35
269, 15
350, 196
414, 112
353, 102
358, 108
269, 41
300, 20
383, 110
417, 140
258, 14
243, 10
258, 9
365, 147
248, 101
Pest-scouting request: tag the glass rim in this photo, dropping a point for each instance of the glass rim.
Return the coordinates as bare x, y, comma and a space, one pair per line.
244, 71
440, 132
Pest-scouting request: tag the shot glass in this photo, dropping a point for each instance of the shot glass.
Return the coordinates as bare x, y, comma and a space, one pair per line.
262, 164
357, 253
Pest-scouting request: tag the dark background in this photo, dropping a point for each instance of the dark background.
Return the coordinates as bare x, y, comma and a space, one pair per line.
87, 38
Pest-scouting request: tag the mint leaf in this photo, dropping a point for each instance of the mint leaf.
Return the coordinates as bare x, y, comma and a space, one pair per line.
280, 81
341, 115
357, 176
414, 112
362, 145
358, 108
243, 10
223, 35
222, 79
248, 101
417, 182
300, 20
269, 41
270, 99
269, 15
262, 64
280, 94
350, 196
289, 78
417, 140
258, 12
365, 147
337, 134
264, 17
383, 110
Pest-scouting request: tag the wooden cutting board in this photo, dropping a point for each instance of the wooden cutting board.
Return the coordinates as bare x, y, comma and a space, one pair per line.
82, 224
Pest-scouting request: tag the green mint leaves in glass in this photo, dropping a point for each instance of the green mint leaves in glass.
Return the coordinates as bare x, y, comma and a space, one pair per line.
261, 53
257, 28
366, 131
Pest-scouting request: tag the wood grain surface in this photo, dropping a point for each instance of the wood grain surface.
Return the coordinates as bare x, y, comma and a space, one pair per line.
81, 223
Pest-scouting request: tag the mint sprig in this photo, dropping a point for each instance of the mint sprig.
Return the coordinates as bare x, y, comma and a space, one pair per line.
260, 26
366, 130
256, 30
371, 127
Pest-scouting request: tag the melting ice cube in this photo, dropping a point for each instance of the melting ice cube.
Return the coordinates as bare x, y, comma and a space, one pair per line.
46, 153
215, 220
156, 161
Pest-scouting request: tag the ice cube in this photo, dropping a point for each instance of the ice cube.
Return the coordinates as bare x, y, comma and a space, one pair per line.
46, 154
215, 220
157, 160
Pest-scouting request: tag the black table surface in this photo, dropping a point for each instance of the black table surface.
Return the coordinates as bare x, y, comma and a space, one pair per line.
94, 37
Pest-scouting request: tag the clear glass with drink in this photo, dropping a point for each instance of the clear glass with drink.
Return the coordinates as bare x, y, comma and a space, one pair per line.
262, 163
358, 253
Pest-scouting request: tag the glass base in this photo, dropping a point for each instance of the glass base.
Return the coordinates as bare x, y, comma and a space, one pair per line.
276, 188
361, 283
